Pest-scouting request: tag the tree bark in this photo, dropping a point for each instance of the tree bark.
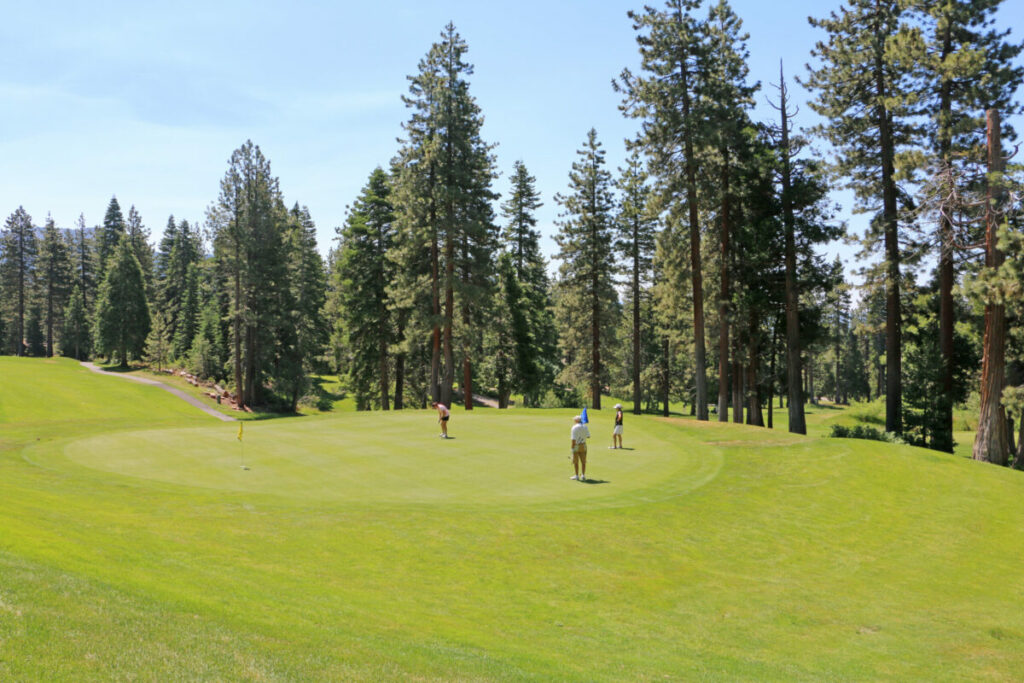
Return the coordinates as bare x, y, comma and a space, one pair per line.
724, 297
944, 402
737, 382
696, 271
666, 365
797, 421
893, 317
990, 441
637, 394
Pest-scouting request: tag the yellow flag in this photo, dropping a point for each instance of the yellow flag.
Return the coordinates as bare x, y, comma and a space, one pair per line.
240, 430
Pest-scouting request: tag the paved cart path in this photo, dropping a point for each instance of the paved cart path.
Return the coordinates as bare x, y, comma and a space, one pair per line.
171, 390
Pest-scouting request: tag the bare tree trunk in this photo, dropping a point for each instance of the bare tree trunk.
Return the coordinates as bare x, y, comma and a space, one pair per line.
797, 421
449, 313
737, 382
724, 297
637, 394
666, 365
990, 441
696, 269
946, 273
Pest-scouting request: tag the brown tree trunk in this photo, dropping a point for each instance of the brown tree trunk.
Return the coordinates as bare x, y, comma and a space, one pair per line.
696, 269
797, 421
944, 402
666, 365
637, 394
737, 382
893, 317
449, 313
990, 441
724, 297
595, 331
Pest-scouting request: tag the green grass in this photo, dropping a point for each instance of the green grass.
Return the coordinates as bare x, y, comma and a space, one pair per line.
361, 546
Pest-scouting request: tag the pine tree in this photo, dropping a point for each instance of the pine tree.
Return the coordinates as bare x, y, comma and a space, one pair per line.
308, 281
637, 230
865, 94
187, 315
364, 270
84, 262
444, 201
35, 342
18, 272
122, 313
138, 235
108, 237
55, 279
535, 340
74, 337
669, 98
587, 296
158, 343
969, 69
248, 222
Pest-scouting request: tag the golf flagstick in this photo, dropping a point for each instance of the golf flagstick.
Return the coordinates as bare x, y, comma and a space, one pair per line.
242, 445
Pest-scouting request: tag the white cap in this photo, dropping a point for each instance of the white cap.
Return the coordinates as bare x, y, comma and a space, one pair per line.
618, 405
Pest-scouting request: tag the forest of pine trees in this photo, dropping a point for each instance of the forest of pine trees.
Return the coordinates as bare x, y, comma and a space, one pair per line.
693, 276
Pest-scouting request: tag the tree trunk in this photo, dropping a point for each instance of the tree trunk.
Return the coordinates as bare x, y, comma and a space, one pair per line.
637, 394
893, 317
696, 270
1018, 459
724, 297
595, 331
737, 382
384, 377
666, 365
237, 324
943, 439
990, 441
771, 382
449, 312
794, 371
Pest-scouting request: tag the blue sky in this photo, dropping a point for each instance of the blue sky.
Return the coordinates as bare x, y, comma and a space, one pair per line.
147, 101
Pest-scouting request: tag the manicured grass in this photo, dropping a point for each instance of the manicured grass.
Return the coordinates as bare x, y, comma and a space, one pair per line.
361, 546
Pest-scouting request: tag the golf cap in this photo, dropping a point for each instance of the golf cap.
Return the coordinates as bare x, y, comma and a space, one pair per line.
618, 405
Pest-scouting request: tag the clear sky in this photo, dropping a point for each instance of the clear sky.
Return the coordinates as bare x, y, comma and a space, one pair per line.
146, 101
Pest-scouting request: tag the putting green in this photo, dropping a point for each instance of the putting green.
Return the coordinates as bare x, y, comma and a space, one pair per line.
519, 458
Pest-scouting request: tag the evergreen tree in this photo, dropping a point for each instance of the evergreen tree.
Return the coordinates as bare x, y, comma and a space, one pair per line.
158, 343
108, 237
864, 91
122, 313
138, 235
248, 222
308, 281
445, 201
535, 339
84, 262
635, 242
587, 294
187, 315
18, 272
55, 279
35, 342
74, 337
669, 97
364, 270
968, 70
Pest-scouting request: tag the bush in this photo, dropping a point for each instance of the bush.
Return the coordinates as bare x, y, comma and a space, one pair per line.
863, 432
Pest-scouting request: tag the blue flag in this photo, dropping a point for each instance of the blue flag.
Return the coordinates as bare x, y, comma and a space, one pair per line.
583, 416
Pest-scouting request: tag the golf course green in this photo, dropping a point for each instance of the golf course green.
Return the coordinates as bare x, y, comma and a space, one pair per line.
360, 546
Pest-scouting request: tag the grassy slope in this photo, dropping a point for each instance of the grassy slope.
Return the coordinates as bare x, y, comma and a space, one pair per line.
361, 546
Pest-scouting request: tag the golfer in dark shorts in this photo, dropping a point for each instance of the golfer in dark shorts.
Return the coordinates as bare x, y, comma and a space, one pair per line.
442, 416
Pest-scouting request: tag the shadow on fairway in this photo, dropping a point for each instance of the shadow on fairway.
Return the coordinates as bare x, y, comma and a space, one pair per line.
595, 481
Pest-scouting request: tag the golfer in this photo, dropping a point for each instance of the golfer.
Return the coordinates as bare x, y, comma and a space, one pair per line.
442, 416
579, 435
617, 431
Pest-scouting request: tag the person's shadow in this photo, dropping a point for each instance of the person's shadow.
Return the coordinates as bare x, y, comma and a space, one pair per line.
588, 480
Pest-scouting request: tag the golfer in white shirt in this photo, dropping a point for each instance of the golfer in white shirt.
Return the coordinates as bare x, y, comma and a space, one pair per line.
579, 435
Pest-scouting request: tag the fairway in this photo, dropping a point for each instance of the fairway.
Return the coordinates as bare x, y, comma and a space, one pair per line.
360, 546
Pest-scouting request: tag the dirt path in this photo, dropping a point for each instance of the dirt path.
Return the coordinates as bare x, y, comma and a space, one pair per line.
192, 400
